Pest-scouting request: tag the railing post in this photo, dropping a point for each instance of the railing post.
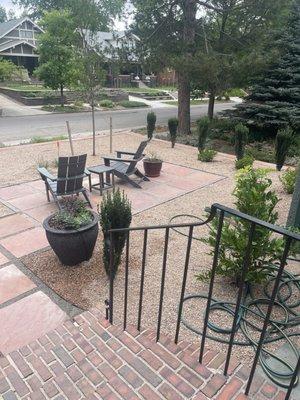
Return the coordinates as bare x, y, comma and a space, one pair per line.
126, 281
162, 286
142, 280
211, 285
186, 266
111, 278
293, 380
247, 260
268, 314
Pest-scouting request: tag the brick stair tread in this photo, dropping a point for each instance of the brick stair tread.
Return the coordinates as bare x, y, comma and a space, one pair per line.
89, 359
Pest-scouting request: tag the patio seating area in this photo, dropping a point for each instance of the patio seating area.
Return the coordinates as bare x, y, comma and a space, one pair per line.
55, 342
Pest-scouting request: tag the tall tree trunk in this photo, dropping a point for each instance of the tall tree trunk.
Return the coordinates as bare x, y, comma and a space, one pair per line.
211, 105
184, 88
184, 104
62, 100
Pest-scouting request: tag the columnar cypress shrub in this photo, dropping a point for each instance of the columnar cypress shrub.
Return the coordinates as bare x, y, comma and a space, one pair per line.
203, 125
173, 125
115, 212
284, 139
151, 121
241, 138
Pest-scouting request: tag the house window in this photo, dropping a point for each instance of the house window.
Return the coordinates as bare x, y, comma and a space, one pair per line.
26, 34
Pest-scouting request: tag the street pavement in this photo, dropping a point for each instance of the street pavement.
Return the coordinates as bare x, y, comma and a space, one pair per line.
24, 127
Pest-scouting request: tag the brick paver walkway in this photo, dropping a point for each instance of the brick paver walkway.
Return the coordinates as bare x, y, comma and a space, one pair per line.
89, 359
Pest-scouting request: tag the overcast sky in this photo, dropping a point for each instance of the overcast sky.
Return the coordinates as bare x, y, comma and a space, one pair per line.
10, 6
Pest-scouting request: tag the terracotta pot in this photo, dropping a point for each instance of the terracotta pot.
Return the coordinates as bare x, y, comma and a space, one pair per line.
152, 168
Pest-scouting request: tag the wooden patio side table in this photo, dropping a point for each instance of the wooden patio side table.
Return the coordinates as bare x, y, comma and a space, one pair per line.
100, 170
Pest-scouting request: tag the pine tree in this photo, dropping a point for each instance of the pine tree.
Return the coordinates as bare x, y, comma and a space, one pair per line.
274, 101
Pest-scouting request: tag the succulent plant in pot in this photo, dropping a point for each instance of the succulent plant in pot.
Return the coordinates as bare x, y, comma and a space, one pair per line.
72, 232
152, 165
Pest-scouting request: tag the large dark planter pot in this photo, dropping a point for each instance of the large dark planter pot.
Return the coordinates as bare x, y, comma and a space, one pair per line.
73, 246
152, 168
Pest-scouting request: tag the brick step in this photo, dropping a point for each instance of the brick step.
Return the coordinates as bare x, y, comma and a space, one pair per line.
89, 359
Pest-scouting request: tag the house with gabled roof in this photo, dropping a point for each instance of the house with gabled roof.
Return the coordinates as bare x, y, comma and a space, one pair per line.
18, 42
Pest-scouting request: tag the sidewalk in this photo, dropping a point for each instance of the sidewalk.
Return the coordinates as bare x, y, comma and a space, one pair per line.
12, 108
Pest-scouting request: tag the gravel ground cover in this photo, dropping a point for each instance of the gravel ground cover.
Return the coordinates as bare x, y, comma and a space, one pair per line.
87, 285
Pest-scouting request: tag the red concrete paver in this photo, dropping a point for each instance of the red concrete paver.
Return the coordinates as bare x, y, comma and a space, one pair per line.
13, 192
15, 223
3, 259
27, 320
26, 242
30, 201
13, 283
42, 212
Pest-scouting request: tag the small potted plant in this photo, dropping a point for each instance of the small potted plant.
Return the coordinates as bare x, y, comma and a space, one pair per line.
72, 232
152, 165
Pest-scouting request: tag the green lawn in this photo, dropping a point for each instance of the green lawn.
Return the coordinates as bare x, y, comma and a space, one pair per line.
24, 87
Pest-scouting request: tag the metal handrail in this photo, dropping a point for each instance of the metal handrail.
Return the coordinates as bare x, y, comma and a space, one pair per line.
214, 210
222, 212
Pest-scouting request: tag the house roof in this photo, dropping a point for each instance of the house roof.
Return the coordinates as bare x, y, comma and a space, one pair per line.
8, 26
107, 42
13, 43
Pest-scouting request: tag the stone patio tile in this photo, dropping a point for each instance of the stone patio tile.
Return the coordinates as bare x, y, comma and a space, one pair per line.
30, 201
27, 320
13, 283
177, 170
15, 223
3, 259
163, 192
42, 212
38, 184
13, 192
26, 242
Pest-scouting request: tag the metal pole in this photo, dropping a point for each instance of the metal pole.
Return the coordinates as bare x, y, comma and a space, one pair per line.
110, 135
70, 137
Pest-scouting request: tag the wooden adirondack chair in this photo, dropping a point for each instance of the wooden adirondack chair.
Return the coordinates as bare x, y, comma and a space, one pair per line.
125, 167
69, 180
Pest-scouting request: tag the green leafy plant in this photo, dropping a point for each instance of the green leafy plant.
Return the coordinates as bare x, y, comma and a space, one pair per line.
152, 157
115, 212
254, 197
243, 162
151, 121
241, 138
284, 139
288, 180
173, 125
106, 104
203, 127
74, 215
206, 155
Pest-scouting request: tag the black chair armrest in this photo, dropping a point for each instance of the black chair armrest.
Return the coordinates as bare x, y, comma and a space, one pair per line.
127, 160
45, 174
128, 153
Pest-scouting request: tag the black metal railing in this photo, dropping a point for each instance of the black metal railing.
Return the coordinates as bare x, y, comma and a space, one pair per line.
222, 212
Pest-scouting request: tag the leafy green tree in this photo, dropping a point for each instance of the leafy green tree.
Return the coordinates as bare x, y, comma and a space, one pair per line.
200, 40
102, 11
274, 101
235, 44
3, 16
58, 62
7, 69
91, 76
